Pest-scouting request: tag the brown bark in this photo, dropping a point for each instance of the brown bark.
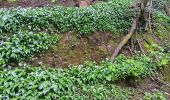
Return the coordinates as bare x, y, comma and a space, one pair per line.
140, 46
84, 3
167, 10
76, 3
143, 16
125, 40
142, 10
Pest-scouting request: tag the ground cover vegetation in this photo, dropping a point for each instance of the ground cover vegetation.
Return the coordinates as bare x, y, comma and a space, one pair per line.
27, 31
86, 81
22, 45
114, 16
17, 22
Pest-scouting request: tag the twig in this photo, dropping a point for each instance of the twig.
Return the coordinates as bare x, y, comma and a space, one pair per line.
128, 47
138, 41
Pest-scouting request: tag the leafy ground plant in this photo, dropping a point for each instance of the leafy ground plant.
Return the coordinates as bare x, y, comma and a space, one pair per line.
23, 45
113, 16
155, 96
81, 82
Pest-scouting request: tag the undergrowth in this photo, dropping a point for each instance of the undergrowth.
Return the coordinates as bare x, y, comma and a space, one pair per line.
88, 81
162, 28
113, 16
157, 95
23, 45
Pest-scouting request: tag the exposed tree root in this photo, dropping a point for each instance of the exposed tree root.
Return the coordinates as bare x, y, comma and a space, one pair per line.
130, 50
144, 22
125, 40
140, 46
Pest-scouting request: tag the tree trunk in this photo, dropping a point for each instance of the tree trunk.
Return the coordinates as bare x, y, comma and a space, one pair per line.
167, 10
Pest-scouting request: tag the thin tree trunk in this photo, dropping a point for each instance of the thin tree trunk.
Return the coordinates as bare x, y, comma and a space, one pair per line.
167, 10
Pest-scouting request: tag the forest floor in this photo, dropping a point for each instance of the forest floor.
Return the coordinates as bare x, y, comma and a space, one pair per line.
72, 50
38, 3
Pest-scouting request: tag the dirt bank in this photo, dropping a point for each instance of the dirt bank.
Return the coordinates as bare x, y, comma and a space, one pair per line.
38, 3
73, 50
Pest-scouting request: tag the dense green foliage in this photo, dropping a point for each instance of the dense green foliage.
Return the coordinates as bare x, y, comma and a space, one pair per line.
22, 45
155, 96
162, 28
113, 16
159, 4
81, 82
160, 18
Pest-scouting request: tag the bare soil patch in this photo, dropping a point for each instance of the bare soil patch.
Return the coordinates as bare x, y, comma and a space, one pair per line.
38, 3
74, 50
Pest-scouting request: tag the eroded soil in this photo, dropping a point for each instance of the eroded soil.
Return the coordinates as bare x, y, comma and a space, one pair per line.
38, 3
73, 50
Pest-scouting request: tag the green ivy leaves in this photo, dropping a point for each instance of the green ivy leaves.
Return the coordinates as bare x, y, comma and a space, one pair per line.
22, 45
86, 81
113, 16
